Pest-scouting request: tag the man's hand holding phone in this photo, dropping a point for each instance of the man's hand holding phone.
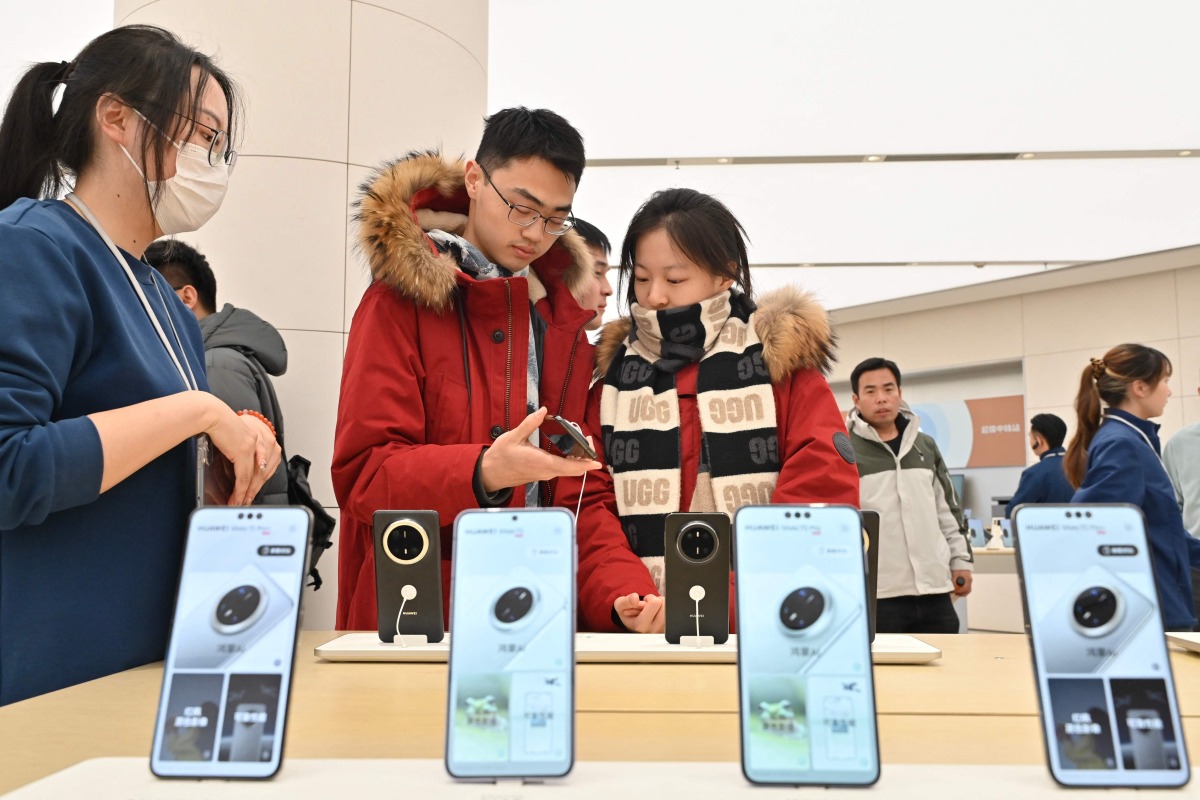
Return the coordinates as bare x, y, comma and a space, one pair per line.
513, 461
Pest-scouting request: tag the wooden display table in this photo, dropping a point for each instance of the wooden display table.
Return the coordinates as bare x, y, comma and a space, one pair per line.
975, 705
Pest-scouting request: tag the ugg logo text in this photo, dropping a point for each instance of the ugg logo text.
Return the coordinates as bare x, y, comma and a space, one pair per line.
751, 365
764, 450
633, 372
646, 491
624, 451
736, 409
647, 409
748, 494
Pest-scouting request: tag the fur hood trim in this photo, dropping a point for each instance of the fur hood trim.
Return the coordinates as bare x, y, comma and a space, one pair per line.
419, 192
794, 329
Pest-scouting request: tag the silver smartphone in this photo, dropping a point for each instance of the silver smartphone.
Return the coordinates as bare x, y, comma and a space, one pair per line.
228, 670
805, 682
512, 649
1105, 688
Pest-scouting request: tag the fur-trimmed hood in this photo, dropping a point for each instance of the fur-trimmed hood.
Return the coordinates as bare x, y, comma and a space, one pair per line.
421, 192
794, 329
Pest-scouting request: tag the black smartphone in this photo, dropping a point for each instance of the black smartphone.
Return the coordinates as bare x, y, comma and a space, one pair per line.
228, 672
408, 575
696, 548
576, 435
870, 521
1109, 711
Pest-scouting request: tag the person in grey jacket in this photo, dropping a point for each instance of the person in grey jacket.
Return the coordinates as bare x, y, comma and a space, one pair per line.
241, 350
925, 558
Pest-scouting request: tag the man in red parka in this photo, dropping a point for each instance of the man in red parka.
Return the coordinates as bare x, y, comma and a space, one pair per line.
469, 335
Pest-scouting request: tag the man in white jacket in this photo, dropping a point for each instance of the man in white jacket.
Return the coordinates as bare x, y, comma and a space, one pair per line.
925, 558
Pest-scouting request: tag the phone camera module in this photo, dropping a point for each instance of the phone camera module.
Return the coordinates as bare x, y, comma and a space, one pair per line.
696, 542
405, 542
802, 609
239, 608
513, 606
1097, 611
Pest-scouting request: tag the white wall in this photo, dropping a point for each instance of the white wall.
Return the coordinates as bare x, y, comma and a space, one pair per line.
46, 30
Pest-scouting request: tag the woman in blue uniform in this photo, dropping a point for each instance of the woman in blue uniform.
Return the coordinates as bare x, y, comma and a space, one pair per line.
102, 384
1116, 457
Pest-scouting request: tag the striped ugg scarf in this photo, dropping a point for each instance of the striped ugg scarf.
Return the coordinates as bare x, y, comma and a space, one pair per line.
639, 416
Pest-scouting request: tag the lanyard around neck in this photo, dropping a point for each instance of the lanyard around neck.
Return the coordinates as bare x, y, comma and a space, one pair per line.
1141, 433
189, 378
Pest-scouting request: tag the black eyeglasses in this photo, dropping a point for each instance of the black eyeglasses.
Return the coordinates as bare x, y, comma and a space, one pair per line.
526, 216
218, 145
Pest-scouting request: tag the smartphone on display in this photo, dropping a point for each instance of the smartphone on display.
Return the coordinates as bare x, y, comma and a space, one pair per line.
512, 655
696, 548
805, 687
228, 670
1105, 688
577, 438
870, 520
408, 575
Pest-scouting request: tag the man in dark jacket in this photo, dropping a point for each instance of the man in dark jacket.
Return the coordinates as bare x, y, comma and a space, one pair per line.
241, 350
1045, 481
469, 335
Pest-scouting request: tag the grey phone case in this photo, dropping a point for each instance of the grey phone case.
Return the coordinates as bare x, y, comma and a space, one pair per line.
408, 552
696, 552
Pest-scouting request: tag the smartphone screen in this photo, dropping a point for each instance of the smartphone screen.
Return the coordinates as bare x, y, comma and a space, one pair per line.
1107, 696
227, 675
805, 686
512, 645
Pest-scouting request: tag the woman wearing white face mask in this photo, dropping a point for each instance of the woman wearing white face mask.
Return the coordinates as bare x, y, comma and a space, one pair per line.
102, 384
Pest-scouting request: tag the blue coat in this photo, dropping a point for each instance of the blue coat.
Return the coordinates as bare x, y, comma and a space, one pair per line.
87, 580
1123, 469
1044, 482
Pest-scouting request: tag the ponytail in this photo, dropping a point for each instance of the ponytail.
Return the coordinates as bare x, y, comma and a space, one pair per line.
147, 68
1108, 379
1087, 422
29, 167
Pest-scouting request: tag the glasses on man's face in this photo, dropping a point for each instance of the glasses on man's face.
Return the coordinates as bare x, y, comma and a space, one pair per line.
526, 216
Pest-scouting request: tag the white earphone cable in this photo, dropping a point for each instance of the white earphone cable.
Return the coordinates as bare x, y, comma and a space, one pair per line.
579, 505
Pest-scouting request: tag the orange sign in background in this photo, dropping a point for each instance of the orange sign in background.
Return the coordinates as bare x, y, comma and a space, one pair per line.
985, 432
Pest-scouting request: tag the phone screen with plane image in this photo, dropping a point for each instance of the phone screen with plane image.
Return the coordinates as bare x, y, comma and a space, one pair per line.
512, 650
805, 681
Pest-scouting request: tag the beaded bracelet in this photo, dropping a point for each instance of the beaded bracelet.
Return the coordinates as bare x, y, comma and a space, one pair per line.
252, 413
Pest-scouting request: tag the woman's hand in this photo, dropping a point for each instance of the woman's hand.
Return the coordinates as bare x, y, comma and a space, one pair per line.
642, 616
251, 449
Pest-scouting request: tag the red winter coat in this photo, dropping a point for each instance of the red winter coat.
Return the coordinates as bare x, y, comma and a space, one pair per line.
797, 342
407, 436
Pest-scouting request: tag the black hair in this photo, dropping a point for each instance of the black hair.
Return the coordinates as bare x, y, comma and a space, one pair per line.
870, 365
593, 235
519, 133
1050, 427
183, 265
145, 67
700, 227
1108, 379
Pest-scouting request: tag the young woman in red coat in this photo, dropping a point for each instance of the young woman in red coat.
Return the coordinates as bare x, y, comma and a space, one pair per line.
705, 401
